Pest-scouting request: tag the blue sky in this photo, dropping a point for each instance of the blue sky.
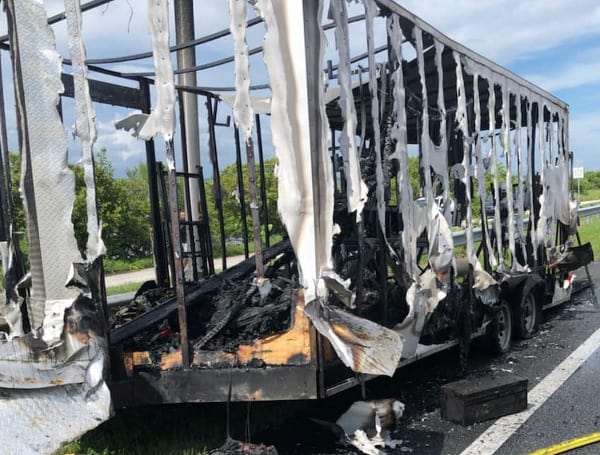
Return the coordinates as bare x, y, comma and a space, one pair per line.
553, 43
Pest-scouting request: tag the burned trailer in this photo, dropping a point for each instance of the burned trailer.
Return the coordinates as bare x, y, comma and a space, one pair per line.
392, 142
368, 278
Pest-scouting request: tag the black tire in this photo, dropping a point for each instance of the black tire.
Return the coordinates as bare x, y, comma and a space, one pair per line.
500, 330
528, 315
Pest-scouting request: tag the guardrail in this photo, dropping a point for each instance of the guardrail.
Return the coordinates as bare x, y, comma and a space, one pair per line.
460, 237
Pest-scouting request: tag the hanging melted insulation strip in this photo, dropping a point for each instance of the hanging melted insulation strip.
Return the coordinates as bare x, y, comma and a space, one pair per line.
356, 190
58, 368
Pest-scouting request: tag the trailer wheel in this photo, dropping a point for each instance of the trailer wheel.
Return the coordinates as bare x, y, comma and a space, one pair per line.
499, 334
527, 315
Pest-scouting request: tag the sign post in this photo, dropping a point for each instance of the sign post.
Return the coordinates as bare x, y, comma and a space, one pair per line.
578, 173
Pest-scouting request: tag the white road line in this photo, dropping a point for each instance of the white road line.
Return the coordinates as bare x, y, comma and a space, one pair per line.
496, 435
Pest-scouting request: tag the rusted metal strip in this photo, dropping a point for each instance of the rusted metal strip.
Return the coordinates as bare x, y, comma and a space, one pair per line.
176, 245
263, 181
260, 273
241, 191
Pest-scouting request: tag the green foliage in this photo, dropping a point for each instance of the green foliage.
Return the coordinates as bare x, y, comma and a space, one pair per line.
232, 208
123, 209
589, 231
15, 181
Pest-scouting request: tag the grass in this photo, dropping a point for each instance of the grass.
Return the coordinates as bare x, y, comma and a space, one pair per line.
178, 430
589, 195
182, 429
127, 265
589, 231
122, 288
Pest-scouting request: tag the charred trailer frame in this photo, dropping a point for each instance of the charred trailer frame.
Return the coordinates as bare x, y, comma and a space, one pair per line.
391, 283
379, 156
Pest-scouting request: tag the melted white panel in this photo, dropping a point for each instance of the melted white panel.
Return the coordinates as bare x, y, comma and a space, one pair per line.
439, 155
284, 53
542, 233
242, 106
414, 217
482, 158
361, 344
422, 298
494, 170
85, 125
48, 202
426, 145
520, 199
356, 190
41, 421
506, 146
371, 12
162, 119
481, 170
465, 175
530, 170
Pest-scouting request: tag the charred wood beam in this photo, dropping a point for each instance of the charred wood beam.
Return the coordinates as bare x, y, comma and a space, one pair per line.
194, 293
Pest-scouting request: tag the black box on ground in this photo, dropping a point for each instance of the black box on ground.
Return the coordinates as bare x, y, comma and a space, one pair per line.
479, 399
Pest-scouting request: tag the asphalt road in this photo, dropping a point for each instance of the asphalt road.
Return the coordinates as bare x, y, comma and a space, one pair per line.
571, 411
140, 276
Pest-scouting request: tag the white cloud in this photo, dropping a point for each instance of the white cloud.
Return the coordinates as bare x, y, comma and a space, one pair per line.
120, 145
581, 68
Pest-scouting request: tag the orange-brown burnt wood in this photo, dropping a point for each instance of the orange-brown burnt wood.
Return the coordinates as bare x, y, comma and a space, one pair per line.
293, 347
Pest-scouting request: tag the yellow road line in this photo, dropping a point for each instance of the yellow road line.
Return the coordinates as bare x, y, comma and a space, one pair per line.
570, 444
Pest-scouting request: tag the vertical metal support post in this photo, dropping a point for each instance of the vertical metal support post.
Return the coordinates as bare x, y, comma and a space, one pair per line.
314, 69
186, 58
254, 208
382, 262
263, 182
216, 178
207, 248
176, 246
334, 161
166, 216
158, 240
241, 191
189, 228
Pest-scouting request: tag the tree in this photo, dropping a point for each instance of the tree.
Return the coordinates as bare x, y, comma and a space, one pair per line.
231, 204
123, 209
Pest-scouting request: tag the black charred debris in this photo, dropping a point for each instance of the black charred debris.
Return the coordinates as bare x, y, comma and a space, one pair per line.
227, 310
224, 311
